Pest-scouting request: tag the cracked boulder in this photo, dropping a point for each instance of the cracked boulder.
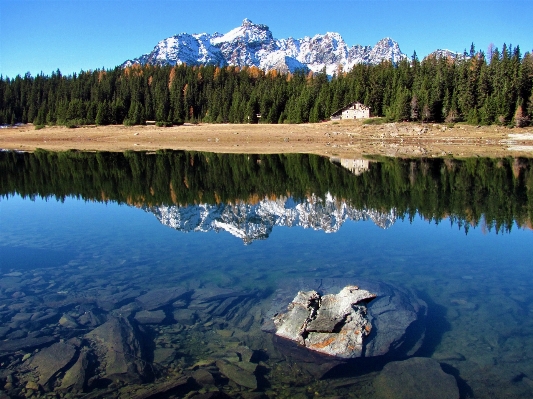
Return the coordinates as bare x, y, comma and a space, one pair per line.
337, 318
334, 324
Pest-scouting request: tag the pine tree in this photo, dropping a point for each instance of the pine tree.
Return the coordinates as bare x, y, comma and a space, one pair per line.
520, 118
102, 114
530, 107
414, 108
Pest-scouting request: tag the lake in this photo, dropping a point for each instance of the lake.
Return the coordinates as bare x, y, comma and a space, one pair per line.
152, 274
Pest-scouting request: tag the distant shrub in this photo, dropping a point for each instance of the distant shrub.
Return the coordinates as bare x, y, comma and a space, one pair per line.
39, 127
374, 121
163, 124
128, 122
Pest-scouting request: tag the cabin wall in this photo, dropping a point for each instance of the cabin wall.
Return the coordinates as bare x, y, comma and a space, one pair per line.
352, 111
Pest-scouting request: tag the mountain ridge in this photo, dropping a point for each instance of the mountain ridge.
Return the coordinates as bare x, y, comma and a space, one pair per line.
254, 45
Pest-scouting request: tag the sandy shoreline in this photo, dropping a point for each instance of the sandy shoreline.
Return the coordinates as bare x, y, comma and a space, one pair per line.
349, 139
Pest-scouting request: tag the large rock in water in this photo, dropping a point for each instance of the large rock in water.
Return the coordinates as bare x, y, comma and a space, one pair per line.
366, 320
49, 361
118, 350
330, 324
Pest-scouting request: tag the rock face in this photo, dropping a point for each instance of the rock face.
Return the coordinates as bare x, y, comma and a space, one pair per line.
330, 324
372, 319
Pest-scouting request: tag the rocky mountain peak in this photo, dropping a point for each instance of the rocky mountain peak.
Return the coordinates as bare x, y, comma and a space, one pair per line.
248, 32
254, 45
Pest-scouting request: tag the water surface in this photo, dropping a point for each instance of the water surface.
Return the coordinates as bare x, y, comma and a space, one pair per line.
85, 238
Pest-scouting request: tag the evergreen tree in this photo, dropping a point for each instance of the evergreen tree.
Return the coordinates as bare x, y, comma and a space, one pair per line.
414, 109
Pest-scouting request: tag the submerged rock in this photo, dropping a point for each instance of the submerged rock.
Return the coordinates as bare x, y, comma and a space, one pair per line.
158, 298
75, 376
49, 361
150, 317
27, 343
162, 389
372, 319
203, 377
415, 378
119, 350
239, 375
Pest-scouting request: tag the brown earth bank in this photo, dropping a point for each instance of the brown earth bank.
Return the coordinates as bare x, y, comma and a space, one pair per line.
350, 139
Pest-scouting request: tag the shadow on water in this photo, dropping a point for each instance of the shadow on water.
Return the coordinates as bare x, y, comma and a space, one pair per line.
464, 389
436, 326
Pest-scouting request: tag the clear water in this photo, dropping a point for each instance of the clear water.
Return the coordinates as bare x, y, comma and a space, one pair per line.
477, 286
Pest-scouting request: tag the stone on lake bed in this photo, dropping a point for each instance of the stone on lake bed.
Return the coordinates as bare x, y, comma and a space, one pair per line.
28, 343
184, 316
150, 317
76, 375
203, 377
415, 378
118, 350
164, 355
157, 298
68, 322
243, 377
52, 359
32, 385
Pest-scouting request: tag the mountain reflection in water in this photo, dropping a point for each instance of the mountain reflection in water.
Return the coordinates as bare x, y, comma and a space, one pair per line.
252, 222
97, 299
495, 192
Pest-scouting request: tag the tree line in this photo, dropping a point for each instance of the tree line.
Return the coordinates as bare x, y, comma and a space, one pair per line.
478, 89
494, 193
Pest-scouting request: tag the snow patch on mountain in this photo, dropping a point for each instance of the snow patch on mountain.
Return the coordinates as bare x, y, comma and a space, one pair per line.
445, 53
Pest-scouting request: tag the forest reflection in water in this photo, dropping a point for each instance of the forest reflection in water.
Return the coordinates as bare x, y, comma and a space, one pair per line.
100, 299
500, 190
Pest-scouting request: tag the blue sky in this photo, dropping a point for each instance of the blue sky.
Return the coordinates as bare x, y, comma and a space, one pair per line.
74, 35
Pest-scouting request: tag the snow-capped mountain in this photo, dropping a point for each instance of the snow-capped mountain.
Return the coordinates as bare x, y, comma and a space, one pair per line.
445, 53
254, 45
252, 222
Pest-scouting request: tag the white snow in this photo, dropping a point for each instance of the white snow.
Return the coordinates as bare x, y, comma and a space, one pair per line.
229, 37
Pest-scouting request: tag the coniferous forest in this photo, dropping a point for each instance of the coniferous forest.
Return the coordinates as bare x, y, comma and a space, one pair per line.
480, 89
